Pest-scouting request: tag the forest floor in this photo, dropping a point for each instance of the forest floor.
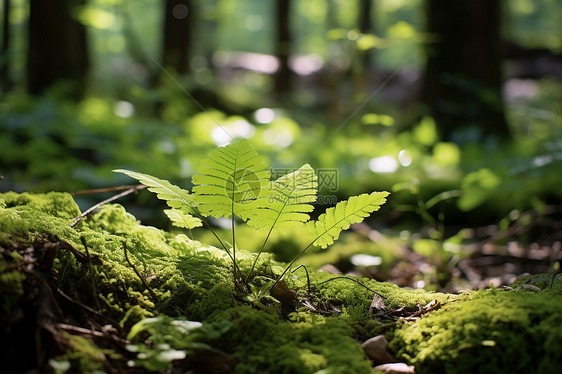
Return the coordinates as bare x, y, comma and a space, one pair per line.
111, 295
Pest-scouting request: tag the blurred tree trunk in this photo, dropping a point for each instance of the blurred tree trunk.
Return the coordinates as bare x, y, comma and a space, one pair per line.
463, 77
366, 27
57, 49
178, 19
361, 67
283, 76
5, 83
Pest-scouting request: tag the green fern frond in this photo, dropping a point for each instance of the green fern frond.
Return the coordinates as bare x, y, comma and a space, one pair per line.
182, 220
331, 223
231, 181
287, 200
176, 197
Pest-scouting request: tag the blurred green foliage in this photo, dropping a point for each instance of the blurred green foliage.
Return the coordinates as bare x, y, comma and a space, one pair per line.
47, 143
50, 144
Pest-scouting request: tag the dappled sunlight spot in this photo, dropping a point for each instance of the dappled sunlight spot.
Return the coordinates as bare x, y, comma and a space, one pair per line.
446, 154
281, 138
220, 137
419, 284
306, 65
377, 119
281, 132
405, 158
383, 164
225, 134
519, 89
542, 160
124, 109
401, 29
258, 62
264, 115
94, 111
366, 260
97, 18
425, 132
370, 119
368, 41
222, 222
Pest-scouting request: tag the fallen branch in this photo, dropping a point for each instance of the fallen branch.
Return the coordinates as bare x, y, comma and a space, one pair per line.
102, 190
128, 191
90, 332
434, 304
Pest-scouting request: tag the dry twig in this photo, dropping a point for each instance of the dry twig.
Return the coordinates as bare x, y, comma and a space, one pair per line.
128, 191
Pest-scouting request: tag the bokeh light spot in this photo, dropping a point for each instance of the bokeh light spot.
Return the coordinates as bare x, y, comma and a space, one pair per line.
180, 11
383, 164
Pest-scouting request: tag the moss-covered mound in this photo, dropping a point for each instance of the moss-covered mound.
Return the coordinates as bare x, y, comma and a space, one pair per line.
489, 331
112, 295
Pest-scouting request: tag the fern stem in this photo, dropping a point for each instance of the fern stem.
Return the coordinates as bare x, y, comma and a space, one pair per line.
266, 239
206, 223
305, 248
233, 238
259, 253
236, 271
327, 230
293, 262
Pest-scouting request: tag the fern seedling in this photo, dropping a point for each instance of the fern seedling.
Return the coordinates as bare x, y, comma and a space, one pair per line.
230, 184
183, 212
234, 182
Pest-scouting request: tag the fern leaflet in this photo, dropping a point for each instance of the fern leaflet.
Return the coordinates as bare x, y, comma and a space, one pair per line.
180, 200
231, 181
182, 220
287, 200
330, 224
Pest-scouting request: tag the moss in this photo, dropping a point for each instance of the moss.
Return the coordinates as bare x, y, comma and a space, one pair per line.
171, 264
25, 214
476, 331
350, 293
489, 331
306, 343
54, 204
